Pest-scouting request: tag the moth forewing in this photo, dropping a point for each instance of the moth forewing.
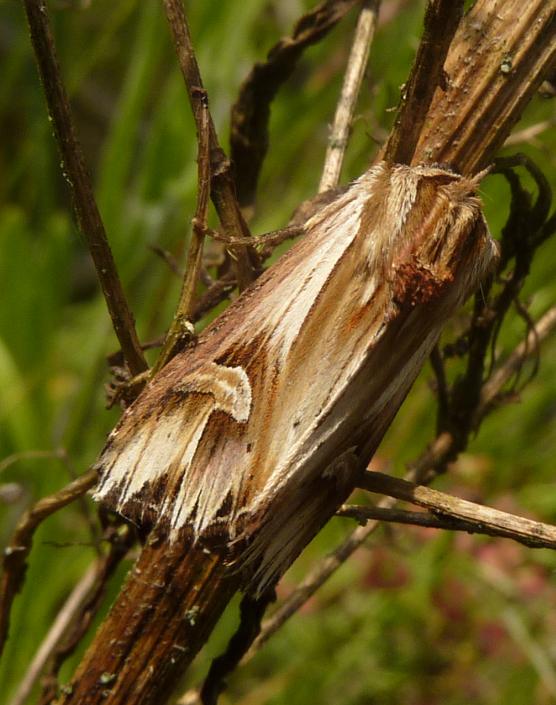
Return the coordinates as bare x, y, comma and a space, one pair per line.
256, 435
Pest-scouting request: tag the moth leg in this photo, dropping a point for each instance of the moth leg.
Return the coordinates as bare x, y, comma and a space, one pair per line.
344, 468
123, 388
275, 237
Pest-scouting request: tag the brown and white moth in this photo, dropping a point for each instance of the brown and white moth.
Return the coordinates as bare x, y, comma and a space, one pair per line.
257, 434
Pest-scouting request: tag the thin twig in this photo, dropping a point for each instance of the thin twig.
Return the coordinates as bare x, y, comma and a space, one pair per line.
79, 181
364, 513
58, 628
485, 520
357, 63
272, 238
181, 329
505, 371
449, 522
441, 21
529, 134
170, 260
15, 555
121, 538
57, 454
222, 184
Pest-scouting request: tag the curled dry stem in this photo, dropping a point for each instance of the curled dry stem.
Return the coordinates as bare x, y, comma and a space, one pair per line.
249, 136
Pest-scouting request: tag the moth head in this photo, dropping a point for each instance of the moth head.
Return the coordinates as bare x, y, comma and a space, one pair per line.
447, 248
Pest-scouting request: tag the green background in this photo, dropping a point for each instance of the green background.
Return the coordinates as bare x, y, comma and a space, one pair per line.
416, 616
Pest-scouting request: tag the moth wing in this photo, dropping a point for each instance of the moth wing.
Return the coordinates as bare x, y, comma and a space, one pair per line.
149, 469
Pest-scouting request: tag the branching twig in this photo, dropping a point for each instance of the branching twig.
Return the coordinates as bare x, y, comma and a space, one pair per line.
223, 191
78, 179
441, 21
15, 555
353, 78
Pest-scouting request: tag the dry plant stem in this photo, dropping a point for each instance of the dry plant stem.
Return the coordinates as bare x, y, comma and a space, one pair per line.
179, 334
176, 601
249, 136
222, 184
15, 555
345, 109
441, 21
75, 172
64, 618
499, 56
475, 517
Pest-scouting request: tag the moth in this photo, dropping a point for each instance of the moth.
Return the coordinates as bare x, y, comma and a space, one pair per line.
257, 434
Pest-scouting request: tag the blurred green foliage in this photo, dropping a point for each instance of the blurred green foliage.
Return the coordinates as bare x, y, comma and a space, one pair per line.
416, 617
